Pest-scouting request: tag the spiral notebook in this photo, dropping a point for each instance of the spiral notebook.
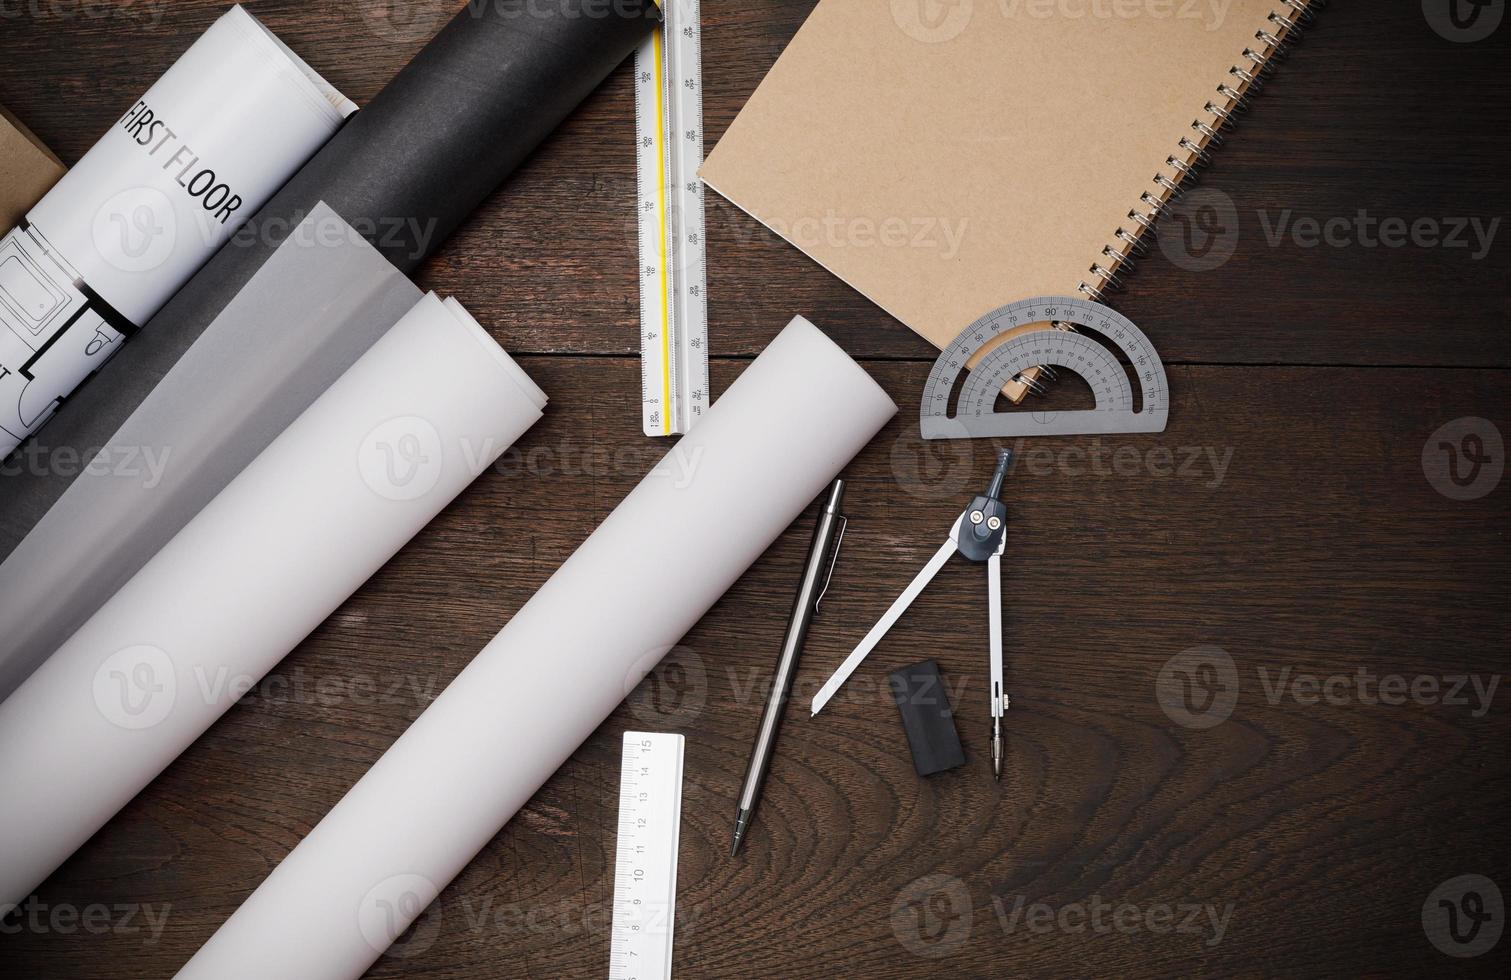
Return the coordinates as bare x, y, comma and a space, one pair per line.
946, 157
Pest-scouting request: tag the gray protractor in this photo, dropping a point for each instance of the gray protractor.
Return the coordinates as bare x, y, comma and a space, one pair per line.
976, 416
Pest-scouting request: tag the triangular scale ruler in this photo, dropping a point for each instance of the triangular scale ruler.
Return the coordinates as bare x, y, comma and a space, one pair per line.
669, 202
975, 416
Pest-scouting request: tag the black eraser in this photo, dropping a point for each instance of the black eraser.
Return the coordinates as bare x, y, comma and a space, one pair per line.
926, 716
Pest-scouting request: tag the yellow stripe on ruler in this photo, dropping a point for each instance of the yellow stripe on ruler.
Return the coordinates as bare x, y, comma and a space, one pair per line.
666, 306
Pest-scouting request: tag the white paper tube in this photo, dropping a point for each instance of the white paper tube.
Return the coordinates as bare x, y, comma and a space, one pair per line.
168, 184
401, 433
780, 434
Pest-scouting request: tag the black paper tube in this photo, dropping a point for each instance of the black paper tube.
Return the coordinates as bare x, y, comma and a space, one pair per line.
404, 172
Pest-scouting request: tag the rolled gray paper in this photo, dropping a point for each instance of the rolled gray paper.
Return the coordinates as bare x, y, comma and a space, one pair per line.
375, 458
316, 306
781, 433
405, 171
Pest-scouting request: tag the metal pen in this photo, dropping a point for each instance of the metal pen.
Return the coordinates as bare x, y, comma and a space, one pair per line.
810, 592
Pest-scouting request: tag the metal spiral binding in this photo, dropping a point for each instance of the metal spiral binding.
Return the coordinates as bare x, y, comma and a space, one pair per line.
1173, 186
1244, 79
1234, 97
1183, 170
1135, 245
1195, 149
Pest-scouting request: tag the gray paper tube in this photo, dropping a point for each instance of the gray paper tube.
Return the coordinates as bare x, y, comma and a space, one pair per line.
322, 300
666, 554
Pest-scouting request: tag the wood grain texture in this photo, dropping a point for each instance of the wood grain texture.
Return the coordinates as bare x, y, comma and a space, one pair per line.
1285, 518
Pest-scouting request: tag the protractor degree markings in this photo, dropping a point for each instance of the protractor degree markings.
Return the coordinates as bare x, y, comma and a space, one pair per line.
1084, 354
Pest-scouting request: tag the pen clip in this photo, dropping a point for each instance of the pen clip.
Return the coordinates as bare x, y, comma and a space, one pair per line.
844, 523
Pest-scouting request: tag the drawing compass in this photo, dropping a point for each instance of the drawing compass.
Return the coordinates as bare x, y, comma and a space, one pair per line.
979, 535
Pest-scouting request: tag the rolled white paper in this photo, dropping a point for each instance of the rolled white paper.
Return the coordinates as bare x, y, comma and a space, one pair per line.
780, 434
317, 304
401, 433
169, 183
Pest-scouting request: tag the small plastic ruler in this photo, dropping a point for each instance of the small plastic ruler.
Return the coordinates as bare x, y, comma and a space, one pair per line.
673, 273
975, 415
645, 862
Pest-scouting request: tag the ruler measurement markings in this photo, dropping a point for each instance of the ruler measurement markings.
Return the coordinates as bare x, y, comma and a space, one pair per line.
645, 860
663, 255
673, 277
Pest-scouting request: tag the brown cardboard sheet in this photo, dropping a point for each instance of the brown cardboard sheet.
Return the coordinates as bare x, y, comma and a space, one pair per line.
27, 170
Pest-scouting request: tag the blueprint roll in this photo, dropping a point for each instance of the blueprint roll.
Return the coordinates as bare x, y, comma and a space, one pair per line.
170, 182
405, 171
371, 462
778, 437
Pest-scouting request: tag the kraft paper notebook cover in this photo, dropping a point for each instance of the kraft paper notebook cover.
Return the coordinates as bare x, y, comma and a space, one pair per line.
946, 157
27, 170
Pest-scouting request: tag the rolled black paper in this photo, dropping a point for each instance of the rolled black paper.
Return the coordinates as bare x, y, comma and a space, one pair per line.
404, 172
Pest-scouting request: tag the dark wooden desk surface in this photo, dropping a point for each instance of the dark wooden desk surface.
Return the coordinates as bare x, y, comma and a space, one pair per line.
1285, 517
